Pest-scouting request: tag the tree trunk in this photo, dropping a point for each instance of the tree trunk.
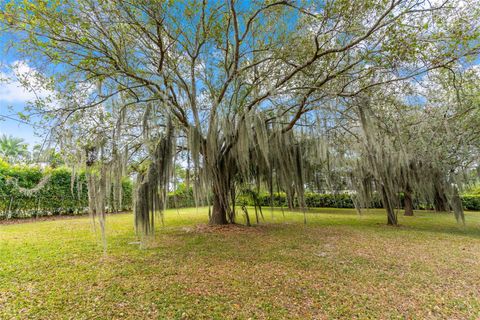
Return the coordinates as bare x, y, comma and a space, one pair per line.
290, 193
408, 202
440, 201
219, 211
387, 204
222, 188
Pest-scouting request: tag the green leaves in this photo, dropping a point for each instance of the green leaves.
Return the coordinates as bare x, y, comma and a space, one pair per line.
12, 149
55, 197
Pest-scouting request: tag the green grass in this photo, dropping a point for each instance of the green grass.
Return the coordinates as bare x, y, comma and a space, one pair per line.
340, 265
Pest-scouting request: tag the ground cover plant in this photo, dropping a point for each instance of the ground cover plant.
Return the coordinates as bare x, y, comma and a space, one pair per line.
339, 265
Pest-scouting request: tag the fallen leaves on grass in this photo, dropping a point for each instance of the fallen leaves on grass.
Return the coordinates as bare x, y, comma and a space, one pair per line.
224, 229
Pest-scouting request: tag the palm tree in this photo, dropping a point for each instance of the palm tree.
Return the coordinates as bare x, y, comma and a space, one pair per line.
12, 149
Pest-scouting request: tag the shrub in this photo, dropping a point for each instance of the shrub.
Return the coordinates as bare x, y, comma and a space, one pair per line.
182, 198
471, 202
57, 197
312, 200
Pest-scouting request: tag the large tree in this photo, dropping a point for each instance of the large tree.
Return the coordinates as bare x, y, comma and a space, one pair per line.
230, 84
419, 139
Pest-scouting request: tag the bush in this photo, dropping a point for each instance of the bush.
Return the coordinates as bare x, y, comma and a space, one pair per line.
315, 200
55, 198
471, 202
182, 198
341, 200
312, 200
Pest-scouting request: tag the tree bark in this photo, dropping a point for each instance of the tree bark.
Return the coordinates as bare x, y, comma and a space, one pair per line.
219, 211
387, 204
440, 201
222, 188
290, 193
408, 202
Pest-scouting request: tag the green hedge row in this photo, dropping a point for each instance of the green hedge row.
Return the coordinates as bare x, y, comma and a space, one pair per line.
343, 200
312, 200
55, 198
181, 199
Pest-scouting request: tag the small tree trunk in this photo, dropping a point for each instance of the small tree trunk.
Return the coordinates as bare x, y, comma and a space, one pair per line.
440, 201
290, 192
247, 217
231, 216
408, 202
387, 204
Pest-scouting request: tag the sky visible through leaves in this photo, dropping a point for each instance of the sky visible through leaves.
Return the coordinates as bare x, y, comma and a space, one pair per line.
14, 98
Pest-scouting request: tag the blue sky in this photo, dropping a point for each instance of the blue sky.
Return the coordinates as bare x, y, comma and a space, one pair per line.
12, 102
13, 97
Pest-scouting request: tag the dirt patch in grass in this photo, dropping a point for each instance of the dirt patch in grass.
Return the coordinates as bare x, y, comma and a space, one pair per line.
224, 229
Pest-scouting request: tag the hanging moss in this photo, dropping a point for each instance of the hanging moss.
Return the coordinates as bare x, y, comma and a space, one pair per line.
152, 185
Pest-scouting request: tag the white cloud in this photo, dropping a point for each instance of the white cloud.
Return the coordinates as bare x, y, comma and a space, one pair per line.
14, 82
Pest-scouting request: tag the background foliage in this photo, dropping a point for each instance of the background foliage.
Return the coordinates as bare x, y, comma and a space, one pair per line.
184, 199
57, 197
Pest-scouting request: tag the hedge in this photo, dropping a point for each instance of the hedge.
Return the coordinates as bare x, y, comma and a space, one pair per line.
55, 198
471, 202
312, 200
344, 200
181, 199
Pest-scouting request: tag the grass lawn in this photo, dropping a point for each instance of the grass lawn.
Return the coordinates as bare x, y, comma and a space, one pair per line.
340, 265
